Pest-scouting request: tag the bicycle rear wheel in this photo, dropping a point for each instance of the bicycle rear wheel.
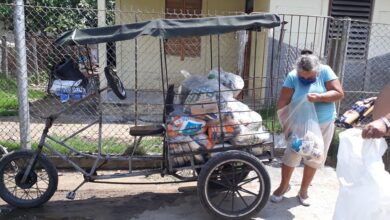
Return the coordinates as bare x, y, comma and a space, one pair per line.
233, 185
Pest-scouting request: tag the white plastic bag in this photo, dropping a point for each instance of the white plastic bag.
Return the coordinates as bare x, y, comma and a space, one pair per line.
230, 80
190, 82
302, 130
364, 184
64, 85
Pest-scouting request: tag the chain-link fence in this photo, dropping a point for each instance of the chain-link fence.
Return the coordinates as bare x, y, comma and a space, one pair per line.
138, 64
357, 51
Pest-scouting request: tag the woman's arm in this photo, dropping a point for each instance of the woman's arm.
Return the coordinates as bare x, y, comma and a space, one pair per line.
285, 97
334, 93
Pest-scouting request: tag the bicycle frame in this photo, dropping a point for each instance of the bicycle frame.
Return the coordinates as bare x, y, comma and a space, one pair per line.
99, 159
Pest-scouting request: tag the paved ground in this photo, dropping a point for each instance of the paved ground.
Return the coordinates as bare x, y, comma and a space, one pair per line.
172, 201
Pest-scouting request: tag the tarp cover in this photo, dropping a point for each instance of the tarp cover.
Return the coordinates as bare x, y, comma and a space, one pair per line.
169, 28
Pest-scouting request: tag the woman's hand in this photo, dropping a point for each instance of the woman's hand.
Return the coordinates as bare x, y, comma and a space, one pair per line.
314, 97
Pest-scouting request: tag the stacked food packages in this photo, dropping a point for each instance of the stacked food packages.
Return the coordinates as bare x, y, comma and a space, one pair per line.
207, 115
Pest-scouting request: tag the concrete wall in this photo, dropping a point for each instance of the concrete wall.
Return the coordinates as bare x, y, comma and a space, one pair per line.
381, 12
380, 38
304, 32
149, 67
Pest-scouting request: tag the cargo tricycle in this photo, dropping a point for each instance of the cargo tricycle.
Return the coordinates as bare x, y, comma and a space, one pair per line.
215, 128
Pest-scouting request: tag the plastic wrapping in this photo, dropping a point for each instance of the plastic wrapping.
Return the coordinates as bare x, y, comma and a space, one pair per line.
302, 130
231, 81
204, 141
358, 112
226, 133
68, 89
206, 99
185, 125
244, 115
186, 146
364, 184
250, 137
191, 82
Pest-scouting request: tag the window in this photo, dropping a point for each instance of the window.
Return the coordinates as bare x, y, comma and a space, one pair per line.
359, 32
189, 46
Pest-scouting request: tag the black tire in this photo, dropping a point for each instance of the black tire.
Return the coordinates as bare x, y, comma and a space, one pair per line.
115, 83
238, 206
12, 168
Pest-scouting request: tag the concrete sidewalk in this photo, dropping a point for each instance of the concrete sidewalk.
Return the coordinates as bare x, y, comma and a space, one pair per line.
170, 201
324, 192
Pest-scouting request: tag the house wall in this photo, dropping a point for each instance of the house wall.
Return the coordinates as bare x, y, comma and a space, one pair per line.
381, 12
303, 31
148, 65
379, 38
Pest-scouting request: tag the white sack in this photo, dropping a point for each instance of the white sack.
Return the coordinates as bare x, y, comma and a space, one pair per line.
364, 184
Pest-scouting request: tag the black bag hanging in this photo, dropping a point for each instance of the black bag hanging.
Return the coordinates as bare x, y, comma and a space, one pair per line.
68, 70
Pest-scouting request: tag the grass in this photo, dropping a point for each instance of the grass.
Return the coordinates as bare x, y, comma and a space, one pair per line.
9, 96
269, 116
110, 146
334, 145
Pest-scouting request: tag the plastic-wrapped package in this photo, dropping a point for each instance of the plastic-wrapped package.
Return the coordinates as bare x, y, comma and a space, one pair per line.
191, 81
230, 80
302, 130
204, 141
185, 147
250, 137
185, 125
206, 99
228, 131
244, 115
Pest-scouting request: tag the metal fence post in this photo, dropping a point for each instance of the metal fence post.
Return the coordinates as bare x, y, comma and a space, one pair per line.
35, 58
4, 56
21, 63
343, 49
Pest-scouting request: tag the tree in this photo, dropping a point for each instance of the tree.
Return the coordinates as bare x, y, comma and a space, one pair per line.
51, 17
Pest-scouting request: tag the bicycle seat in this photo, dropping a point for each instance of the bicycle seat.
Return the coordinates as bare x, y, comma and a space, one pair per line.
147, 130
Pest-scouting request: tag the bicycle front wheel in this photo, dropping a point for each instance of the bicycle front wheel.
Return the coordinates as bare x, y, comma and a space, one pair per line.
38, 187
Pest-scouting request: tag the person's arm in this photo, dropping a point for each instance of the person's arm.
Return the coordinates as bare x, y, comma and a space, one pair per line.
378, 128
284, 99
334, 93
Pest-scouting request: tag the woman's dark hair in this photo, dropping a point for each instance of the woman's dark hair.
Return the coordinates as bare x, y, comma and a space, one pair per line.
306, 52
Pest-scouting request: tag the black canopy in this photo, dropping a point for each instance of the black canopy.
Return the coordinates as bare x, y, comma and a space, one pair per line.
169, 28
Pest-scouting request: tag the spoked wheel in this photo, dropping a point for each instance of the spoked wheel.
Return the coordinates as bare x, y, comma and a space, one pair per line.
39, 186
243, 185
115, 83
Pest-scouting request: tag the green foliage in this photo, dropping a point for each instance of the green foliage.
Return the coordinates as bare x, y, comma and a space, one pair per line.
334, 145
270, 120
51, 17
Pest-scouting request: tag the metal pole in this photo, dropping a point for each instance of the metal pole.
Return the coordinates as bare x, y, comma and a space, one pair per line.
35, 58
21, 64
102, 48
343, 53
4, 56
